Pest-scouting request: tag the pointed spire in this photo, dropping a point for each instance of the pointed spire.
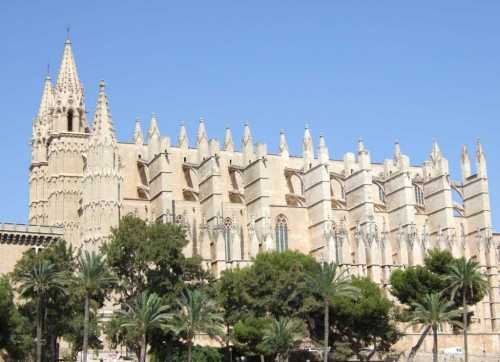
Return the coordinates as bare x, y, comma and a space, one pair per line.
307, 148
397, 151
138, 137
323, 154
481, 160
68, 80
183, 140
247, 145
153, 126
436, 151
363, 155
283, 145
202, 131
202, 141
47, 100
228, 140
103, 124
466, 165
154, 141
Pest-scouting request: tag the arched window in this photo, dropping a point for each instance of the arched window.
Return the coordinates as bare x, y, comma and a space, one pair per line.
419, 195
381, 193
70, 120
228, 224
281, 233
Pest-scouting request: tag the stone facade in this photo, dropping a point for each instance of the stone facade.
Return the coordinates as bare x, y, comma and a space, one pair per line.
370, 217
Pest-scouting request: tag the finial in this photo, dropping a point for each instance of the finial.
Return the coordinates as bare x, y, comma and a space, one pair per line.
102, 85
361, 146
68, 39
47, 76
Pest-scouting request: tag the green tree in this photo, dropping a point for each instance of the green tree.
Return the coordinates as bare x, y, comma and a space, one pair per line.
15, 336
282, 335
464, 277
248, 335
433, 311
149, 258
145, 313
92, 277
36, 283
197, 313
365, 322
330, 282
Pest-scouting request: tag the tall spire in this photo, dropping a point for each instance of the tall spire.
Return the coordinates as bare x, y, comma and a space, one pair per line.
138, 137
154, 142
481, 160
67, 80
465, 161
47, 100
307, 148
183, 140
283, 146
228, 140
436, 151
103, 124
247, 145
323, 154
202, 141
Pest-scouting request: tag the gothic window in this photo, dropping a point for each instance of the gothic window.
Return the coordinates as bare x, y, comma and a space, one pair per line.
419, 195
70, 120
281, 233
227, 226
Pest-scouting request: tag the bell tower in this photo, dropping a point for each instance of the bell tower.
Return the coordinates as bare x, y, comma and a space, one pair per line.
67, 138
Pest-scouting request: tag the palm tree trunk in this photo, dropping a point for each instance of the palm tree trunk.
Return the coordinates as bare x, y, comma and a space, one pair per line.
421, 340
327, 330
435, 345
39, 331
466, 347
190, 351
86, 328
143, 348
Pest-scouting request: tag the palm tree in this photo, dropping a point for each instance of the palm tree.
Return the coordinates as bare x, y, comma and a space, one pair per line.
282, 335
36, 283
330, 282
433, 312
466, 277
145, 312
198, 313
92, 276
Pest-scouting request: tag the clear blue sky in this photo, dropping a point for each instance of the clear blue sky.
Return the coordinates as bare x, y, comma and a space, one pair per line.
381, 70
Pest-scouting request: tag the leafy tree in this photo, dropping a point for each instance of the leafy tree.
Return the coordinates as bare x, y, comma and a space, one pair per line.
36, 283
282, 335
198, 313
15, 338
248, 335
149, 258
142, 315
331, 282
464, 276
93, 277
434, 311
365, 321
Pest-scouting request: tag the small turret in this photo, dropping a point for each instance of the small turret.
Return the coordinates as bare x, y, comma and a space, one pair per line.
202, 141
228, 140
138, 137
154, 141
283, 146
437, 165
323, 154
465, 163
307, 149
247, 145
481, 161
41, 123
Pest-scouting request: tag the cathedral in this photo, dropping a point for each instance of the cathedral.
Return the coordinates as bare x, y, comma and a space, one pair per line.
234, 202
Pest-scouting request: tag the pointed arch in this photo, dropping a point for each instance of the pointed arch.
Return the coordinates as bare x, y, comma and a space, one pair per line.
69, 119
281, 229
